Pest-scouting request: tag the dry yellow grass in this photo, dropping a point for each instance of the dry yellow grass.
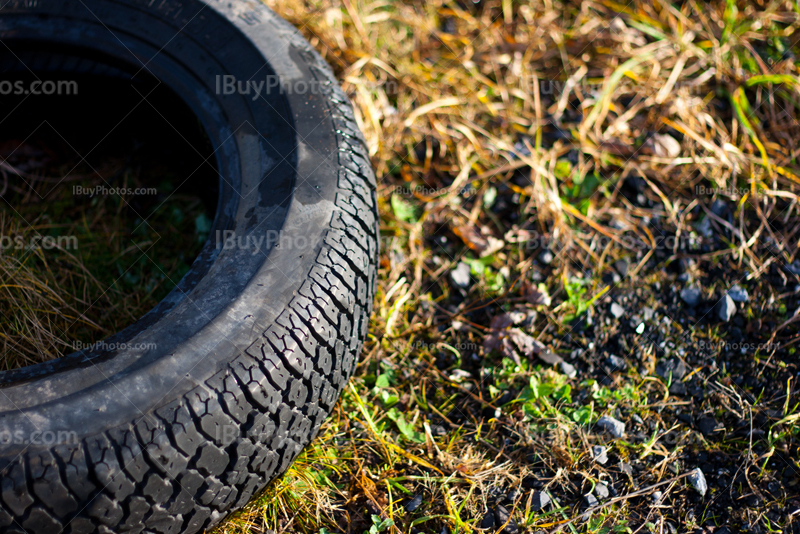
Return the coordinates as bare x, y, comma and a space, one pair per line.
558, 104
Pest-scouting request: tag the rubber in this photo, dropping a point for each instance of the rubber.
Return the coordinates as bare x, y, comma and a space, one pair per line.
214, 393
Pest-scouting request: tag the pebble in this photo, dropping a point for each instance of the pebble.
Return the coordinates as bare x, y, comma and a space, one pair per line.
672, 367
648, 313
616, 363
503, 517
569, 369
794, 267
496, 495
657, 496
719, 207
753, 501
738, 293
613, 426
600, 454
601, 491
691, 296
704, 227
698, 481
461, 276
439, 430
626, 468
414, 503
590, 500
617, 310
707, 425
726, 308
488, 520
622, 267
539, 500
546, 257
549, 357
459, 375
678, 388
665, 146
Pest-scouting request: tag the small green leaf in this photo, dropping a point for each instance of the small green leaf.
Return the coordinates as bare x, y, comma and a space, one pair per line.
583, 415
382, 381
562, 169
405, 428
403, 210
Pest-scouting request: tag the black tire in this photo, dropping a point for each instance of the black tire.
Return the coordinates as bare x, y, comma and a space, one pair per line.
181, 418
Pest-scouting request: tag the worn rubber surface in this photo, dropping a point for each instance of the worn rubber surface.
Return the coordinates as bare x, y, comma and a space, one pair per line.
197, 406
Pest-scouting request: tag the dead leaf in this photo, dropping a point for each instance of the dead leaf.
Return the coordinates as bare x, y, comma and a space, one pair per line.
535, 295
511, 342
475, 240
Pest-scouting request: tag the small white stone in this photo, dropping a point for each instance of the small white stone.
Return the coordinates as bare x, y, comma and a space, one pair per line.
698, 481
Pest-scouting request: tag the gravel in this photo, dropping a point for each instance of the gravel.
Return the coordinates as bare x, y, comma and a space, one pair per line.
738, 293
615, 363
461, 275
539, 500
601, 491
600, 454
626, 468
569, 369
678, 388
414, 503
794, 267
691, 296
707, 425
698, 481
501, 517
621, 267
617, 310
488, 520
549, 357
590, 500
726, 308
672, 367
719, 207
613, 426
